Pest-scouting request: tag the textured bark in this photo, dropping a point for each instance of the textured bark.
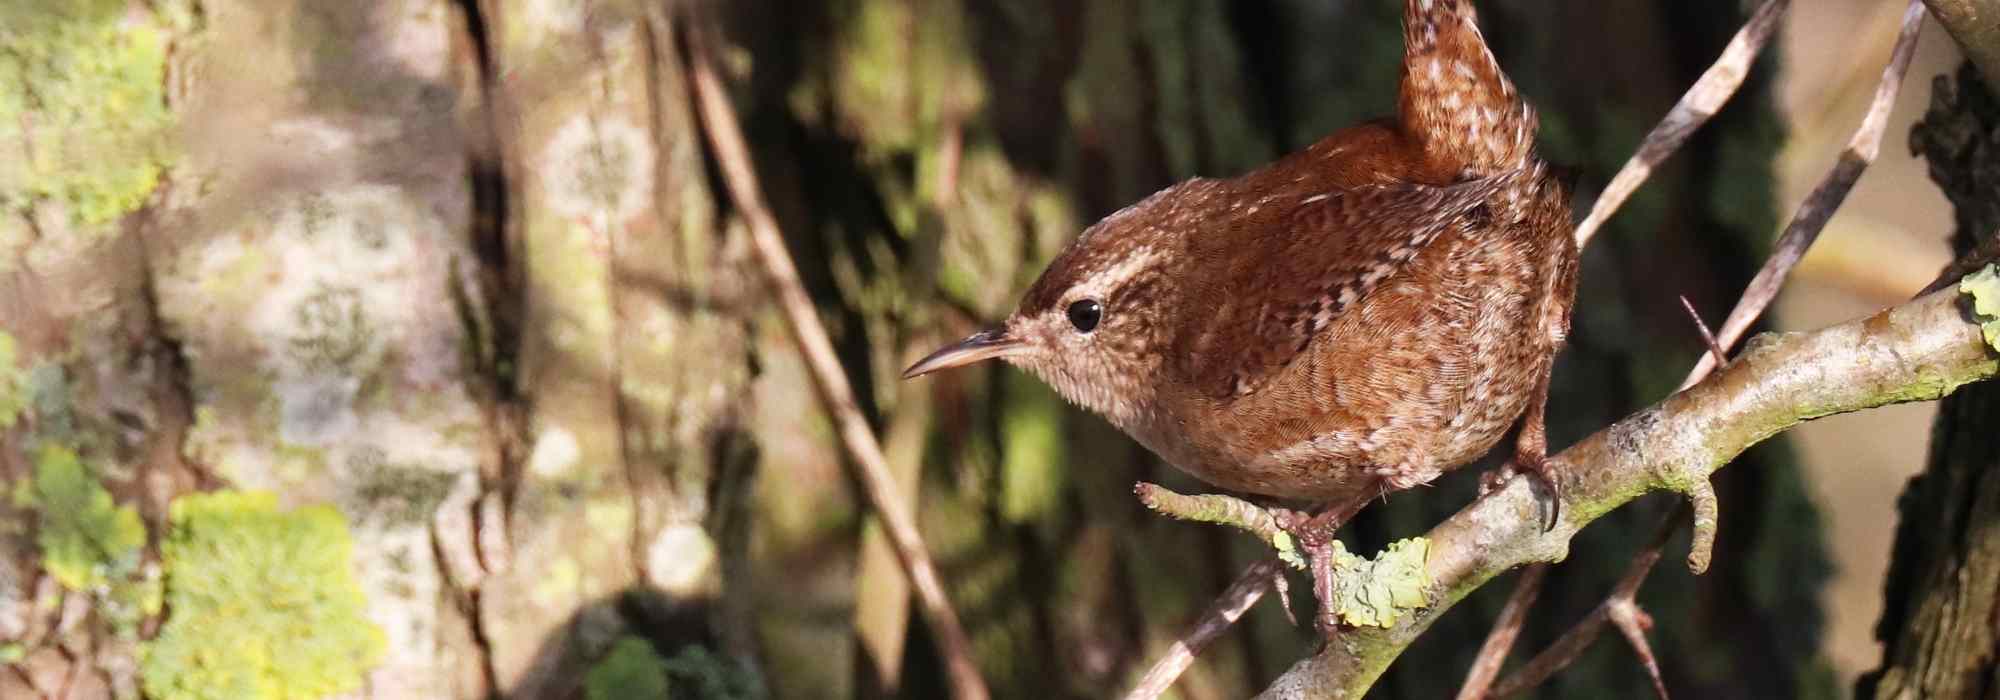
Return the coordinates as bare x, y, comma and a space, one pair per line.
515, 367
631, 354
1942, 597
310, 290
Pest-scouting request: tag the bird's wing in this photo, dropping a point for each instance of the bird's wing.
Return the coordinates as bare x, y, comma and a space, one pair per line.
1327, 253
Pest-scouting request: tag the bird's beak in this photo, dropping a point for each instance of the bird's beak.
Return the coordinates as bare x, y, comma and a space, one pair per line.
984, 345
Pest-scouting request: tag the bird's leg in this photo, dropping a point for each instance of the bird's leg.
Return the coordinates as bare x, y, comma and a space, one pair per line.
1316, 536
1531, 452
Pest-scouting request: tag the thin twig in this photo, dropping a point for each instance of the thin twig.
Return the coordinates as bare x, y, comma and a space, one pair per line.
1707, 336
1825, 199
870, 467
1972, 261
1572, 643
1633, 623
1493, 654
1213, 508
1701, 102
1230, 606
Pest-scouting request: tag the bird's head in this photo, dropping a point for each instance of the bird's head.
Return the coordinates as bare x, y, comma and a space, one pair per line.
1093, 325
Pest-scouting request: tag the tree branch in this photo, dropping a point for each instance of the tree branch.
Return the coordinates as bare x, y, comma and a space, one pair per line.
1918, 351
1975, 25
1249, 587
1493, 653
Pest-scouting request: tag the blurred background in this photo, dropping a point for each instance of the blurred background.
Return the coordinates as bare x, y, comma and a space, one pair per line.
457, 282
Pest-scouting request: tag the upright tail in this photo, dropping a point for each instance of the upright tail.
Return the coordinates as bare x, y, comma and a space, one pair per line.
1455, 100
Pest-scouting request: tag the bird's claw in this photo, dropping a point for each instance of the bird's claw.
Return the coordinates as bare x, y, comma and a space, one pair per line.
1316, 538
1538, 468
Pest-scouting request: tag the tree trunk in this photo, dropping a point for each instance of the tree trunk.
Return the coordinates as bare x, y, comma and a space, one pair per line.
452, 270
1943, 591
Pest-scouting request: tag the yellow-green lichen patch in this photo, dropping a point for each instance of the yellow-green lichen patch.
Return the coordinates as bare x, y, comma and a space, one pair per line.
13, 384
81, 89
263, 603
87, 541
1376, 593
1984, 288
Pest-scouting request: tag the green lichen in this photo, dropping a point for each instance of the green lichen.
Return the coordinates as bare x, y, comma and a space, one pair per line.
82, 91
1288, 550
263, 603
13, 384
1376, 593
87, 541
397, 494
333, 330
1984, 288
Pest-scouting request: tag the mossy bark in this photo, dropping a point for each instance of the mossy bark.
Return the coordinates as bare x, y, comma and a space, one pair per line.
355, 285
90, 417
1943, 589
302, 261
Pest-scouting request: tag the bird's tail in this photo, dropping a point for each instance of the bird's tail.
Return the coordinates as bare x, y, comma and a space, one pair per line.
1455, 100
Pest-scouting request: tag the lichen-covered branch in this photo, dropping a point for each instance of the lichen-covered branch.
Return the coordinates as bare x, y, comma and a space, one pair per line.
1219, 509
1919, 351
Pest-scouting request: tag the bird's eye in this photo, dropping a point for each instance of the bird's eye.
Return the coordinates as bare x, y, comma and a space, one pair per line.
1085, 315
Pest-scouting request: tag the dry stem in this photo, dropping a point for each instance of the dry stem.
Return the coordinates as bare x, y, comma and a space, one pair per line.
1230, 606
1493, 653
870, 466
1701, 102
1620, 608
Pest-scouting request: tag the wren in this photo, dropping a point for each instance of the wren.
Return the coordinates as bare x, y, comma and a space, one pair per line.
1353, 319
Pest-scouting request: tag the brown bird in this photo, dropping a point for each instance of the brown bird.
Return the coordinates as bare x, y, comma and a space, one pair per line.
1353, 319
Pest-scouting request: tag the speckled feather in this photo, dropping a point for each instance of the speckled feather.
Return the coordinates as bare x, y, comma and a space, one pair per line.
1357, 317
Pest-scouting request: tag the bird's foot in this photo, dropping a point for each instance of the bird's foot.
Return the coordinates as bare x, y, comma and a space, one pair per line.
1316, 535
1537, 467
